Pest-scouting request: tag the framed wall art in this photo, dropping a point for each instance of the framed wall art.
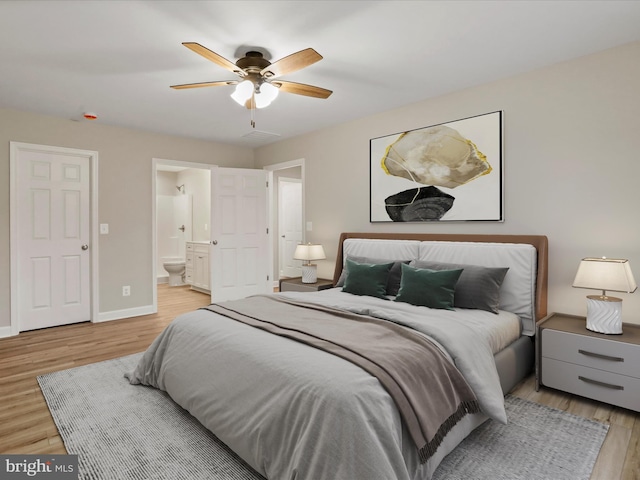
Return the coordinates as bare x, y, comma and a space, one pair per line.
446, 172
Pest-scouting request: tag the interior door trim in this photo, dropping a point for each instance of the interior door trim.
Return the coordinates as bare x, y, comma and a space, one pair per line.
273, 215
155, 163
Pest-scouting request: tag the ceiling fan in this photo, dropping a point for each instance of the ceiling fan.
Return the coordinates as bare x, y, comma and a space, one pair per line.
259, 84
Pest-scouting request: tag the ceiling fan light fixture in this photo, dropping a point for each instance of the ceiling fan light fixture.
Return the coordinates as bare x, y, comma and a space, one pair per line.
256, 89
243, 92
266, 95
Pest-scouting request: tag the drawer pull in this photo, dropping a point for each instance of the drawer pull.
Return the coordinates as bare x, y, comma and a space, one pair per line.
599, 355
601, 384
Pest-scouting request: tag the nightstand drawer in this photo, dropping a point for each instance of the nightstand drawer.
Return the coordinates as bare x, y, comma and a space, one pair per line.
599, 385
609, 355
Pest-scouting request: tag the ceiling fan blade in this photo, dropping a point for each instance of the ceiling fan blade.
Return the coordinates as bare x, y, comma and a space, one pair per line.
291, 63
302, 89
204, 84
214, 57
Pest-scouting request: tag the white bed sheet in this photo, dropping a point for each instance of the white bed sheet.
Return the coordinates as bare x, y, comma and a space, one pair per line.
497, 330
278, 388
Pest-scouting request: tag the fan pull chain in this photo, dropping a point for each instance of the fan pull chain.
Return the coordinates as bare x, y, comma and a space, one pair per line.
253, 111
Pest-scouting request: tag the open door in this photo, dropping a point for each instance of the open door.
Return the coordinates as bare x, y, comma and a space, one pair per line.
239, 253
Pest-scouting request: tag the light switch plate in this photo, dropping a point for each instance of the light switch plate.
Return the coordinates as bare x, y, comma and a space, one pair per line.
104, 228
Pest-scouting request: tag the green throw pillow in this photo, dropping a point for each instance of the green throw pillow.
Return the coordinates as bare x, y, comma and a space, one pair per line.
478, 287
393, 281
367, 279
428, 288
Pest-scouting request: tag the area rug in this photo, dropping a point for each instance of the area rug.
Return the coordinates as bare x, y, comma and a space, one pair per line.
122, 431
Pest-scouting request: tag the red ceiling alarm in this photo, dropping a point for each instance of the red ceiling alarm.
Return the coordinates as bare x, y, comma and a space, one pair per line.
90, 116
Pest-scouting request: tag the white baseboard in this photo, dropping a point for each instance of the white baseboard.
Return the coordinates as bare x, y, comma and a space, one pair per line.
126, 313
103, 317
5, 332
162, 279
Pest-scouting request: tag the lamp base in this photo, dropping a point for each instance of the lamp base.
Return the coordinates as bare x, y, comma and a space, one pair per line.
309, 273
604, 314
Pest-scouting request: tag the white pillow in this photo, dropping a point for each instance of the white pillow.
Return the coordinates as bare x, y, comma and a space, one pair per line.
381, 248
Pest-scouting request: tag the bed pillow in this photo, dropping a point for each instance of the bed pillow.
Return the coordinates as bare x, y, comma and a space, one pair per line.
478, 287
367, 278
393, 281
428, 288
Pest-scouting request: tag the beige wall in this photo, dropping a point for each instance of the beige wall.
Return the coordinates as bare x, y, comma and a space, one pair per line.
571, 173
125, 176
571, 166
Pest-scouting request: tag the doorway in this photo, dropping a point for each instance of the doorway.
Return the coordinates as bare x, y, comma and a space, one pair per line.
289, 170
212, 227
181, 193
289, 225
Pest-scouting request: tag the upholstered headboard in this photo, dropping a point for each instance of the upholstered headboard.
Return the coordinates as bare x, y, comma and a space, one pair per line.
525, 254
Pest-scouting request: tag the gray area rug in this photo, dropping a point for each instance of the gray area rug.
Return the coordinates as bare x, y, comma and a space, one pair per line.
122, 431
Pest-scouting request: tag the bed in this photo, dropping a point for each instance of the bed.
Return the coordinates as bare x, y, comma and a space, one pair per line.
306, 385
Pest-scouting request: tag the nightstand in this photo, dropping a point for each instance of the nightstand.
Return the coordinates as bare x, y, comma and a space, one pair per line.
594, 365
296, 285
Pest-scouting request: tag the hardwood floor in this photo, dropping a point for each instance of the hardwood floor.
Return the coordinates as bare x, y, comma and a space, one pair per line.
26, 426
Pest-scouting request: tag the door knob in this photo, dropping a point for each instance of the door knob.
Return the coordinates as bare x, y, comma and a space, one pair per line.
85, 247
214, 242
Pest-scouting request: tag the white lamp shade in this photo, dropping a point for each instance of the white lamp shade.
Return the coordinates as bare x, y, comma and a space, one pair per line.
267, 94
261, 100
309, 252
243, 92
605, 274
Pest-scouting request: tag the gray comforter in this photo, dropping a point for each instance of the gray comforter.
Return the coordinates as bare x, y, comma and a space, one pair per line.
294, 412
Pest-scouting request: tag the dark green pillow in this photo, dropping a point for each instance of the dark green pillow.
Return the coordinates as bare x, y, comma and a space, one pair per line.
428, 288
395, 274
367, 278
478, 286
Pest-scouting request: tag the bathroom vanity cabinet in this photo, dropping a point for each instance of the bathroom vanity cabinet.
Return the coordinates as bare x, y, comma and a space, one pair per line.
197, 266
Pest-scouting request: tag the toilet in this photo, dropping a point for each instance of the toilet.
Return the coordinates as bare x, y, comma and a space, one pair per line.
175, 267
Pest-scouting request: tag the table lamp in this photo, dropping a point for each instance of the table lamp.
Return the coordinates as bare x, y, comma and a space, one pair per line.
604, 313
309, 252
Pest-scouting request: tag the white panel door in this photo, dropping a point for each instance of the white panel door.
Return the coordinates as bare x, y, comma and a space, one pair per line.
53, 223
239, 250
289, 225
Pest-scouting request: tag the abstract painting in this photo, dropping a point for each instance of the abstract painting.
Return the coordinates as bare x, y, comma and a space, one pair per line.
446, 172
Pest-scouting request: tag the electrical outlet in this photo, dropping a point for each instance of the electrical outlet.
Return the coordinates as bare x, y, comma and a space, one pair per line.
126, 291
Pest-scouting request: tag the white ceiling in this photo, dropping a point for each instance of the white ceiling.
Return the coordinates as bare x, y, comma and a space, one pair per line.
118, 58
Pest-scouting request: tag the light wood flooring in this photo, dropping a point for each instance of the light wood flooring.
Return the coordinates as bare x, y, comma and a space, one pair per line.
26, 425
